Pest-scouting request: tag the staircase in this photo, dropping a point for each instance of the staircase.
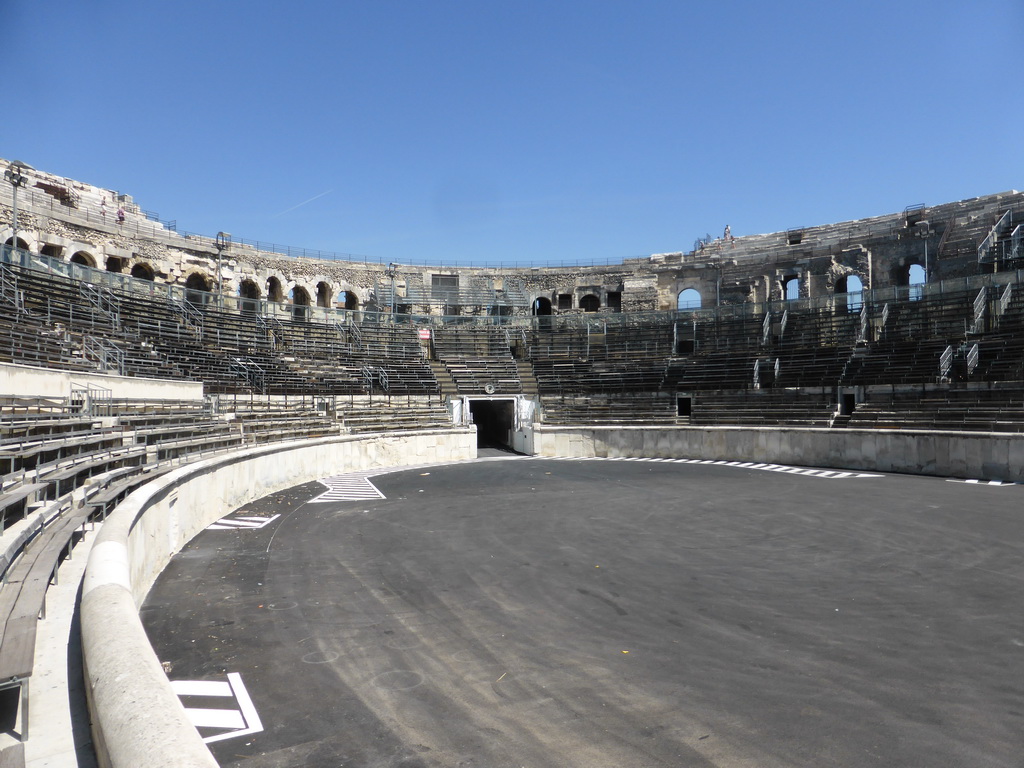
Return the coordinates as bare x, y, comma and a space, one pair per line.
527, 378
447, 385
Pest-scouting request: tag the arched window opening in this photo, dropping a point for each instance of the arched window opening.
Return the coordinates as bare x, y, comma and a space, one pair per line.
249, 293
590, 303
300, 303
143, 272
542, 306
197, 289
792, 288
916, 281
850, 290
323, 295
83, 258
21, 244
688, 299
275, 291
350, 300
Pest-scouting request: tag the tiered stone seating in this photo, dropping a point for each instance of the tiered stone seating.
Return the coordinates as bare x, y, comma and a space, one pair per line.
377, 414
640, 408
478, 359
971, 410
763, 408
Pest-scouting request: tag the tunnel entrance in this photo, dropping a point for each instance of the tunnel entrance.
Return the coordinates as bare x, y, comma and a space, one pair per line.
494, 422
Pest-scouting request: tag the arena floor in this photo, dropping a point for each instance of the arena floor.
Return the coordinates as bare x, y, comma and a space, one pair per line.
550, 613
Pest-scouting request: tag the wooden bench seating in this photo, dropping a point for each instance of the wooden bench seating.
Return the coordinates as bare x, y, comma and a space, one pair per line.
14, 503
23, 602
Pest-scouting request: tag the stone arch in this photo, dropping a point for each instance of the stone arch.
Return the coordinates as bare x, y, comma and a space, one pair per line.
541, 306
590, 303
300, 303
323, 294
21, 243
249, 296
849, 292
916, 279
197, 289
275, 291
909, 275
84, 258
143, 271
688, 298
791, 287
348, 300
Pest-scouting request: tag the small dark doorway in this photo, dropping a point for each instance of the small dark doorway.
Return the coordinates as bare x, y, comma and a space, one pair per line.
847, 403
493, 419
684, 406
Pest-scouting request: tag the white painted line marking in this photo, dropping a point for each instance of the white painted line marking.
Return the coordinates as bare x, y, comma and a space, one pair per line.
350, 487
216, 718
992, 483
237, 523
828, 474
201, 688
241, 721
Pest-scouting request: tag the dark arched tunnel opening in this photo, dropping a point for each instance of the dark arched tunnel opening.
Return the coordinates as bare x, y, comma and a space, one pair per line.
493, 419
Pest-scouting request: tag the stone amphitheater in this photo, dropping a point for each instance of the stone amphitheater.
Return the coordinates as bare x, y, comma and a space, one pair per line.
156, 380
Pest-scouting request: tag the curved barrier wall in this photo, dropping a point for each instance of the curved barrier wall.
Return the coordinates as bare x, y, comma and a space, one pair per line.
137, 720
981, 455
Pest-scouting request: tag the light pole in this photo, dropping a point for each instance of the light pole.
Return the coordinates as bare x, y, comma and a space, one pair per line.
223, 242
392, 269
14, 175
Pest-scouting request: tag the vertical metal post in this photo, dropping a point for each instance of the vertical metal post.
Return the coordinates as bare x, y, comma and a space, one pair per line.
223, 242
16, 178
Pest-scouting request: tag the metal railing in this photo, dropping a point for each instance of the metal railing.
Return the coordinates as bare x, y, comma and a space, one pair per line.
104, 353
980, 305
973, 356
988, 244
945, 363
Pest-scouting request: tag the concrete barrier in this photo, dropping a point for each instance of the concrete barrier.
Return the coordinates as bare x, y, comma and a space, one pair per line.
990, 456
137, 720
30, 381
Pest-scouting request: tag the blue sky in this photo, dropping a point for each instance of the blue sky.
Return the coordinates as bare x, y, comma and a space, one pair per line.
517, 132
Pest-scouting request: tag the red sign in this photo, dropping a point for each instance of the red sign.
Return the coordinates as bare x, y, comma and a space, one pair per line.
425, 334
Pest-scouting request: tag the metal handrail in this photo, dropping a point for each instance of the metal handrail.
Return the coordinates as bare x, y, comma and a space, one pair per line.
973, 355
990, 239
945, 362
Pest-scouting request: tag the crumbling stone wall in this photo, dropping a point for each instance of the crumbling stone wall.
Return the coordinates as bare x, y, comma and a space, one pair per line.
732, 270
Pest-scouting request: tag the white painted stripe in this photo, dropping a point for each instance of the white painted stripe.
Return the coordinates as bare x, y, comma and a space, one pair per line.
201, 688
252, 718
216, 718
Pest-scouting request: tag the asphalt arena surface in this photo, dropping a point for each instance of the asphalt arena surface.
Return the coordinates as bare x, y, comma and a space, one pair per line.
595, 613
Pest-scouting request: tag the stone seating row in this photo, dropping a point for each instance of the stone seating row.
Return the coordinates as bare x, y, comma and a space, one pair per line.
608, 408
